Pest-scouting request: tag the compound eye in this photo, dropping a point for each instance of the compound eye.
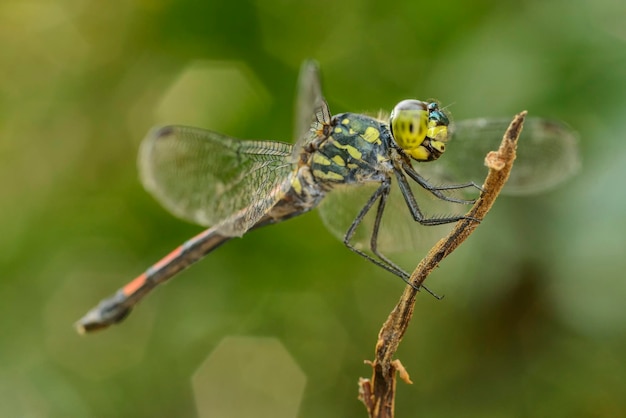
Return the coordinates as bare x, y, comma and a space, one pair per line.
410, 104
409, 123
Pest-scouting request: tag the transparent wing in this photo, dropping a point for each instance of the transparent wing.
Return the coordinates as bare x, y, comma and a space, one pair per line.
209, 178
547, 154
311, 108
308, 94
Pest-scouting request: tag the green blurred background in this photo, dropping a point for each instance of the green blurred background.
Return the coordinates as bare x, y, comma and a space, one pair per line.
533, 320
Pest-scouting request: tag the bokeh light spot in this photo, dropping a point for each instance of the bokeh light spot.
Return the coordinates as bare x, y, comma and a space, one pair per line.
249, 377
211, 94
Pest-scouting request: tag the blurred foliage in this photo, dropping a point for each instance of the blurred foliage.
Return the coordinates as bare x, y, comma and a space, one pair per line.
533, 322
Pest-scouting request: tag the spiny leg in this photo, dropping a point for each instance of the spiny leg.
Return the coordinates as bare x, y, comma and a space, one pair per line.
436, 190
374, 248
381, 193
417, 214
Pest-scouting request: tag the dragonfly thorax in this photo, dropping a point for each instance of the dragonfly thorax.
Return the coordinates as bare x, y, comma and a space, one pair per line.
354, 149
420, 129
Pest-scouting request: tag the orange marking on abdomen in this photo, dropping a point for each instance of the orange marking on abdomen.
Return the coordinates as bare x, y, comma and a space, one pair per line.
137, 283
167, 259
132, 287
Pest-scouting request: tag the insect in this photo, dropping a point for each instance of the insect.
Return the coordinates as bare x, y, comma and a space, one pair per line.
234, 186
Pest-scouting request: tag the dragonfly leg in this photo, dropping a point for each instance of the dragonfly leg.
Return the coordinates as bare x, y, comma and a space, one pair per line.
374, 247
380, 195
417, 214
436, 190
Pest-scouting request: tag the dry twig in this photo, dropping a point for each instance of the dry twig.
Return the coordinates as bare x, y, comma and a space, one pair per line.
378, 394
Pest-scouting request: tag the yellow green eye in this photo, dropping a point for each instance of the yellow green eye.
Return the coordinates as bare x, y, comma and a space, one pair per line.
419, 129
409, 123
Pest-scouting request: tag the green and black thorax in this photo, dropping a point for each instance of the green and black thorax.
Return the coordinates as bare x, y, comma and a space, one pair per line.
354, 149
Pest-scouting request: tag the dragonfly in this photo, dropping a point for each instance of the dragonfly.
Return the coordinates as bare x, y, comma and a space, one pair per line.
357, 165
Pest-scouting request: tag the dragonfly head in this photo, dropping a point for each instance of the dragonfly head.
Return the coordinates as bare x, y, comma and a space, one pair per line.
420, 129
